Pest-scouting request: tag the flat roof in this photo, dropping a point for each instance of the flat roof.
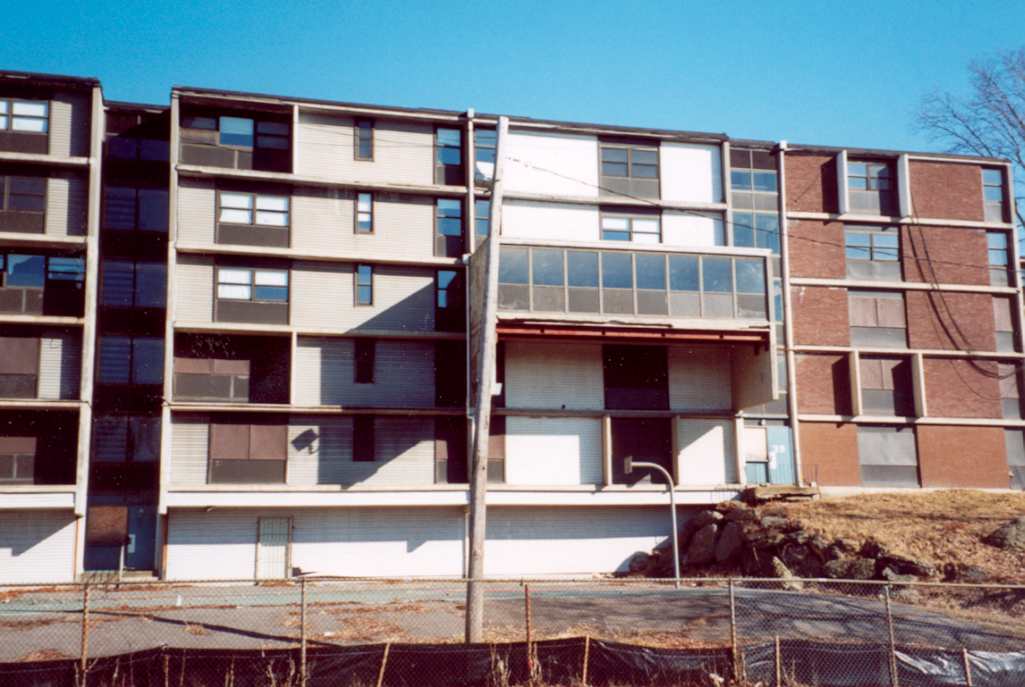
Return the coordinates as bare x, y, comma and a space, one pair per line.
51, 79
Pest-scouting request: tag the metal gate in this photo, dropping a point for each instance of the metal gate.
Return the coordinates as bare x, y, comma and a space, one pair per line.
272, 543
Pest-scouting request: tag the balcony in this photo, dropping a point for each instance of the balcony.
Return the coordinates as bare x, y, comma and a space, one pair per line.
224, 369
727, 288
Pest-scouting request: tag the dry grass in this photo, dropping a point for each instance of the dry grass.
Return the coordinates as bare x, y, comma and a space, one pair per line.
935, 527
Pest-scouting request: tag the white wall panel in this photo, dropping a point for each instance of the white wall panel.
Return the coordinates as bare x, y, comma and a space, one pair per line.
699, 379
556, 163
546, 541
197, 211
403, 374
60, 364
553, 375
551, 221
220, 545
320, 450
70, 115
706, 452
194, 288
690, 229
691, 172
190, 446
67, 204
553, 451
37, 546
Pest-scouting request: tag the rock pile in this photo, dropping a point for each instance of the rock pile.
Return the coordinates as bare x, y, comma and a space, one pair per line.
735, 538
1010, 535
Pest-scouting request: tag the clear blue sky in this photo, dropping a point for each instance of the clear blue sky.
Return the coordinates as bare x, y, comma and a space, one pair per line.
827, 72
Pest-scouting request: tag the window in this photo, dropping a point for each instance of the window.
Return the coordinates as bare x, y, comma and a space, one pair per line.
134, 208
252, 285
17, 459
888, 456
23, 194
485, 150
996, 243
753, 170
364, 285
635, 228
482, 217
636, 377
364, 364
364, 139
131, 360
363, 444
272, 135
243, 453
19, 366
756, 230
630, 170
25, 270
754, 190
1009, 376
236, 131
449, 304
364, 213
1003, 320
993, 194
253, 208
27, 116
128, 284
448, 156
126, 438
873, 252
448, 227
1014, 440
877, 318
869, 187
886, 386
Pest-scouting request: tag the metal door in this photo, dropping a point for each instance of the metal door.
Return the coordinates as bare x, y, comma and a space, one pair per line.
272, 548
781, 455
141, 537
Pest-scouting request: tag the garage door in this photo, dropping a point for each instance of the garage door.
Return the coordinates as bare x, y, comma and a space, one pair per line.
37, 546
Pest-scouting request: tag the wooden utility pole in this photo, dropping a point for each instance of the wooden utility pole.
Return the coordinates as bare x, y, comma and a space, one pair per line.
482, 408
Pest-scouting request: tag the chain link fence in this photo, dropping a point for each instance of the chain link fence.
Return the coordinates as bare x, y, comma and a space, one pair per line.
615, 632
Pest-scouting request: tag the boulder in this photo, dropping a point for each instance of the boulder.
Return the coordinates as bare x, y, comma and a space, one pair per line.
960, 572
639, 562
701, 550
871, 549
730, 542
850, 569
902, 565
736, 511
780, 570
1010, 535
892, 575
705, 518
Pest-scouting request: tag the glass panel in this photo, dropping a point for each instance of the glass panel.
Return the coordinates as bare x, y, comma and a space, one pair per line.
767, 232
744, 229
485, 137
3, 122
236, 131
119, 208
547, 267
277, 128
644, 171
765, 181
645, 157
272, 219
452, 157
997, 257
235, 216
856, 169
651, 271
276, 142
364, 275
150, 284
617, 270
25, 270
115, 355
237, 200
994, 193
208, 123
645, 226
512, 265
450, 207
614, 169
449, 137
28, 124
32, 108
28, 185
118, 277
716, 273
26, 203
275, 203
740, 180
228, 275
364, 295
857, 183
613, 154
482, 224
992, 177
582, 268
234, 292
445, 278
886, 247
996, 239
147, 361
364, 202
683, 273
750, 276
617, 223
3, 107
271, 278
270, 293
66, 269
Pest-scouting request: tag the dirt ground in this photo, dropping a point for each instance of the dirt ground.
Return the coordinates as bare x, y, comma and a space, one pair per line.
935, 527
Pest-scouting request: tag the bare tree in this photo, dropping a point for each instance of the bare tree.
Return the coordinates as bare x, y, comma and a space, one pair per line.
990, 121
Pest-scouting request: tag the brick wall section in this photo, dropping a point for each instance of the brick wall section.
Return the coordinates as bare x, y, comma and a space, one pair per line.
820, 315
950, 456
823, 384
947, 255
932, 317
829, 454
945, 190
811, 182
957, 388
816, 249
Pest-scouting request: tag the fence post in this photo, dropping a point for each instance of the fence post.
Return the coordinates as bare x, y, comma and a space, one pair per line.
384, 663
967, 667
894, 680
526, 611
587, 655
302, 631
733, 634
779, 664
84, 648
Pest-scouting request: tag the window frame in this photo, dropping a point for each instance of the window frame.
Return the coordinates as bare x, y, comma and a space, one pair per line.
7, 126
137, 209
357, 134
629, 217
132, 376
15, 477
437, 224
252, 285
364, 360
356, 213
135, 263
868, 177
6, 192
630, 148
356, 285
254, 210
987, 203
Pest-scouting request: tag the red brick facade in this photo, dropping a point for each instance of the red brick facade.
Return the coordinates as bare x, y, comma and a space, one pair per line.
950, 320
961, 388
830, 454
811, 182
824, 385
944, 190
820, 315
961, 456
816, 249
945, 255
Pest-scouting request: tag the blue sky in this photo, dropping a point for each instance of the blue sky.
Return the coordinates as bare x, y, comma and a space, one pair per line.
812, 72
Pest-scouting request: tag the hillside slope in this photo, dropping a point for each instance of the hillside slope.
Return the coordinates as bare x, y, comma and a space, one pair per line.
934, 527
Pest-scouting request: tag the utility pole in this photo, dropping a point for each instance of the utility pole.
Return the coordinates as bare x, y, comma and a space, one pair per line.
488, 337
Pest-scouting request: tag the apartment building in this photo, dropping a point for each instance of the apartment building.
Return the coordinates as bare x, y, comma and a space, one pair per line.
291, 301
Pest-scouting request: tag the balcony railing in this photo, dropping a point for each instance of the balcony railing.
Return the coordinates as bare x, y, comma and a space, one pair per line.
632, 283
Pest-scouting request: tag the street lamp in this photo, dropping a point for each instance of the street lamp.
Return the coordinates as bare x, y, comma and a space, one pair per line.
629, 465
